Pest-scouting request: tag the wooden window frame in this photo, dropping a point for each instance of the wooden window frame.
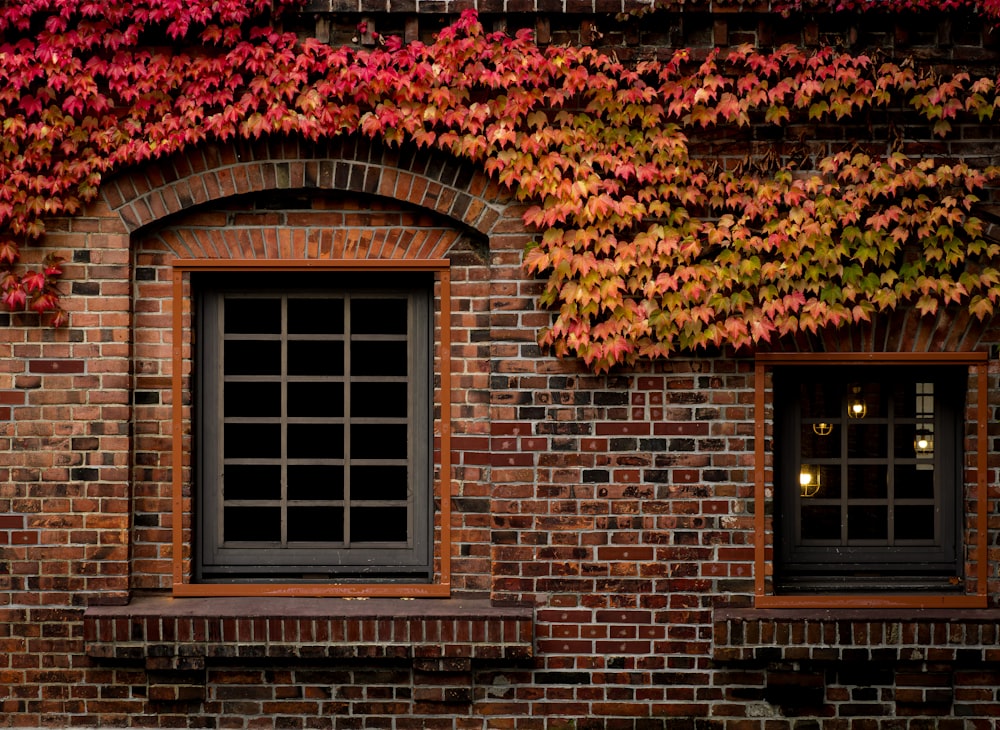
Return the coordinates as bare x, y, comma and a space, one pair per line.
441, 539
764, 596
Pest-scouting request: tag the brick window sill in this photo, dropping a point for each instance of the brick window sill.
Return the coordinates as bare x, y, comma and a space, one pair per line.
771, 636
190, 631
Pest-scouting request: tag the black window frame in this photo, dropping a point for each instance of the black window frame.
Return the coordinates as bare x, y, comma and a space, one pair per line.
218, 562
804, 565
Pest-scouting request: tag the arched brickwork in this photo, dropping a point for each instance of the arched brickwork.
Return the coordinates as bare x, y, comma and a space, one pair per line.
950, 329
420, 178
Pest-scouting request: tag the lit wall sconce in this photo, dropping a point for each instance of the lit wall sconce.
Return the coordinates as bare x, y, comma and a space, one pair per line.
822, 429
809, 480
856, 406
923, 444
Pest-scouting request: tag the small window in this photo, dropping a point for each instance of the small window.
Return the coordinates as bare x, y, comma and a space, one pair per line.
868, 478
314, 432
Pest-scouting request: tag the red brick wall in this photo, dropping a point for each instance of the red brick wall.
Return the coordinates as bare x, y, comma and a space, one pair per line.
618, 507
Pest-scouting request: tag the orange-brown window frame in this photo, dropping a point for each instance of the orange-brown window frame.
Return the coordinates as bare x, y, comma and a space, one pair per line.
764, 475
441, 587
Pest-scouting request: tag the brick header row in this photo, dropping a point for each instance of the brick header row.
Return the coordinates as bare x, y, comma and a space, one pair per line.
162, 627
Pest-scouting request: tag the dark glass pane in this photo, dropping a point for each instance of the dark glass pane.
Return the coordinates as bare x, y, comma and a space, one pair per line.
315, 440
320, 316
914, 482
251, 524
245, 316
820, 440
912, 400
315, 481
257, 481
315, 357
378, 316
378, 357
914, 522
251, 400
378, 441
373, 400
820, 522
867, 481
904, 436
321, 399
867, 522
252, 357
378, 524
379, 481
315, 524
251, 441
867, 440
821, 399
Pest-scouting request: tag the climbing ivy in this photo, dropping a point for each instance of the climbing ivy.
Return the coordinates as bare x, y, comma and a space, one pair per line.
662, 225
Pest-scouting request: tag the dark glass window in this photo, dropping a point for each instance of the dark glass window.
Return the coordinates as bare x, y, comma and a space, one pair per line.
868, 477
314, 428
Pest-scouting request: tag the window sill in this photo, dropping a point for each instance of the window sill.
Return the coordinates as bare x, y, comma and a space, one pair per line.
163, 628
770, 636
874, 601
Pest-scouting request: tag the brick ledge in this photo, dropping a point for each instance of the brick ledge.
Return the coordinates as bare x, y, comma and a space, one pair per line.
861, 635
182, 629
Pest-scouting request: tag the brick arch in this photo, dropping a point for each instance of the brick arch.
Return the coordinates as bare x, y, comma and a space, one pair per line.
330, 226
421, 178
906, 330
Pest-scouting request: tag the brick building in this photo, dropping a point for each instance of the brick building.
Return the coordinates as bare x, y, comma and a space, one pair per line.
613, 552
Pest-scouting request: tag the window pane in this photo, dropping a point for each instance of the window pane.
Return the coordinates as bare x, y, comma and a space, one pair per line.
252, 357
378, 524
912, 482
319, 316
379, 481
251, 400
257, 481
821, 481
315, 440
315, 357
867, 522
820, 522
252, 316
252, 524
370, 400
821, 400
868, 482
867, 440
379, 316
871, 395
820, 440
318, 399
251, 440
379, 357
315, 481
914, 522
315, 524
378, 441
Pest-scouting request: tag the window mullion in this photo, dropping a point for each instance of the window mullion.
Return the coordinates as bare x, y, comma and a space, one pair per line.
348, 470
284, 421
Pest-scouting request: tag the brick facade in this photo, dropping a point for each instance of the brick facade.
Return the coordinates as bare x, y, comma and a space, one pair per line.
603, 526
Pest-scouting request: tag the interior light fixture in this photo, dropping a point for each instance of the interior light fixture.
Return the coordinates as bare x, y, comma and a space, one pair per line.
856, 406
822, 429
923, 443
809, 480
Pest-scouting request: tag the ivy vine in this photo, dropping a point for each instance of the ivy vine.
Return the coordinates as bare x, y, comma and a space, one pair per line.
647, 244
